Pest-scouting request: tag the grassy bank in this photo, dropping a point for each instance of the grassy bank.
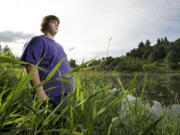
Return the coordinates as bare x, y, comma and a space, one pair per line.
91, 109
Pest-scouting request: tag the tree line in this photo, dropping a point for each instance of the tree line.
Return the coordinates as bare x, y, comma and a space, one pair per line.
161, 56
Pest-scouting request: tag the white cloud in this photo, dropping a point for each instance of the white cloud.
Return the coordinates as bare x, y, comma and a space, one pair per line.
88, 24
10, 36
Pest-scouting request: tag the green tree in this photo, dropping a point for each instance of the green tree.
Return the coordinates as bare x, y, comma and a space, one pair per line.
162, 40
148, 43
122, 66
150, 58
158, 52
108, 60
172, 59
72, 63
158, 41
166, 40
94, 63
6, 48
114, 63
141, 44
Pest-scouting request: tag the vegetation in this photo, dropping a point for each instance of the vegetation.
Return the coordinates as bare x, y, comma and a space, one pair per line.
164, 56
91, 109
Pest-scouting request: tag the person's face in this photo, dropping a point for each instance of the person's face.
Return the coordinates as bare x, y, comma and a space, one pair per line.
53, 27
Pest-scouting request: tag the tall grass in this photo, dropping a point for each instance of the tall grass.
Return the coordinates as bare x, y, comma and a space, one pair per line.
92, 108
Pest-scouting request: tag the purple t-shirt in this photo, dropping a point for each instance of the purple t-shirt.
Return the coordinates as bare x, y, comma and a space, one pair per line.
52, 53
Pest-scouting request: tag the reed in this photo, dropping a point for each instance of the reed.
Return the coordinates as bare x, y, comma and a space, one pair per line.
92, 108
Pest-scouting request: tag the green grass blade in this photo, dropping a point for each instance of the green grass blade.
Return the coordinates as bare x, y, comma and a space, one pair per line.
54, 70
78, 68
77, 90
110, 126
91, 96
153, 125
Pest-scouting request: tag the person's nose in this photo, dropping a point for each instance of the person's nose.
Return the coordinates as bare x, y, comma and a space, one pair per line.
57, 25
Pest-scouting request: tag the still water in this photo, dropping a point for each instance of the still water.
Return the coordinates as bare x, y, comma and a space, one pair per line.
162, 91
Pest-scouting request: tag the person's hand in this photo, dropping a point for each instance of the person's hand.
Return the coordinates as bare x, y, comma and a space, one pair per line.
42, 94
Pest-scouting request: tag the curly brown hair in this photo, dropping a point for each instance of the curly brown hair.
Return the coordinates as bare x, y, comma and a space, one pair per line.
46, 20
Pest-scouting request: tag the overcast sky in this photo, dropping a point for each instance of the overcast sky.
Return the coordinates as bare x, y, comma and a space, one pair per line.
87, 25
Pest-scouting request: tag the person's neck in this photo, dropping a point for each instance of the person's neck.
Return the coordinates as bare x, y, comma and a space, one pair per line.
49, 36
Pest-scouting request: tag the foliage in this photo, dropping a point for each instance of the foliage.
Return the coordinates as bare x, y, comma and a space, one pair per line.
129, 64
8, 77
92, 108
72, 63
172, 59
163, 51
154, 67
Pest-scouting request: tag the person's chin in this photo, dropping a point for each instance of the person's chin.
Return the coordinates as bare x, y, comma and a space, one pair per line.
55, 33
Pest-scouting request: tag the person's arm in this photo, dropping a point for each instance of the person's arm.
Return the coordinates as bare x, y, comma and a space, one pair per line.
36, 78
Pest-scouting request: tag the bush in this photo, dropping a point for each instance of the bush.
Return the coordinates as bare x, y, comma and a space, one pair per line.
154, 68
172, 59
129, 64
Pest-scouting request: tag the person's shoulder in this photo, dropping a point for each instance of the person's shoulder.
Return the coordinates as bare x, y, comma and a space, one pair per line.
57, 43
35, 41
37, 38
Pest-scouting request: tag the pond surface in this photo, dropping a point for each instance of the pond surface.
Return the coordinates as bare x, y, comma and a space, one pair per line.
162, 91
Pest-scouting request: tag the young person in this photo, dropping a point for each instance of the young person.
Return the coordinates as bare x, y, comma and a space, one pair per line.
46, 48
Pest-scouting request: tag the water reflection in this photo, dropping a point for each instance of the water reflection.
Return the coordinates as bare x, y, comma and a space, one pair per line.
161, 90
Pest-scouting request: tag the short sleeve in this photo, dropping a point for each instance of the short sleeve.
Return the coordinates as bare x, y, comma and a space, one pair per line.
34, 50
